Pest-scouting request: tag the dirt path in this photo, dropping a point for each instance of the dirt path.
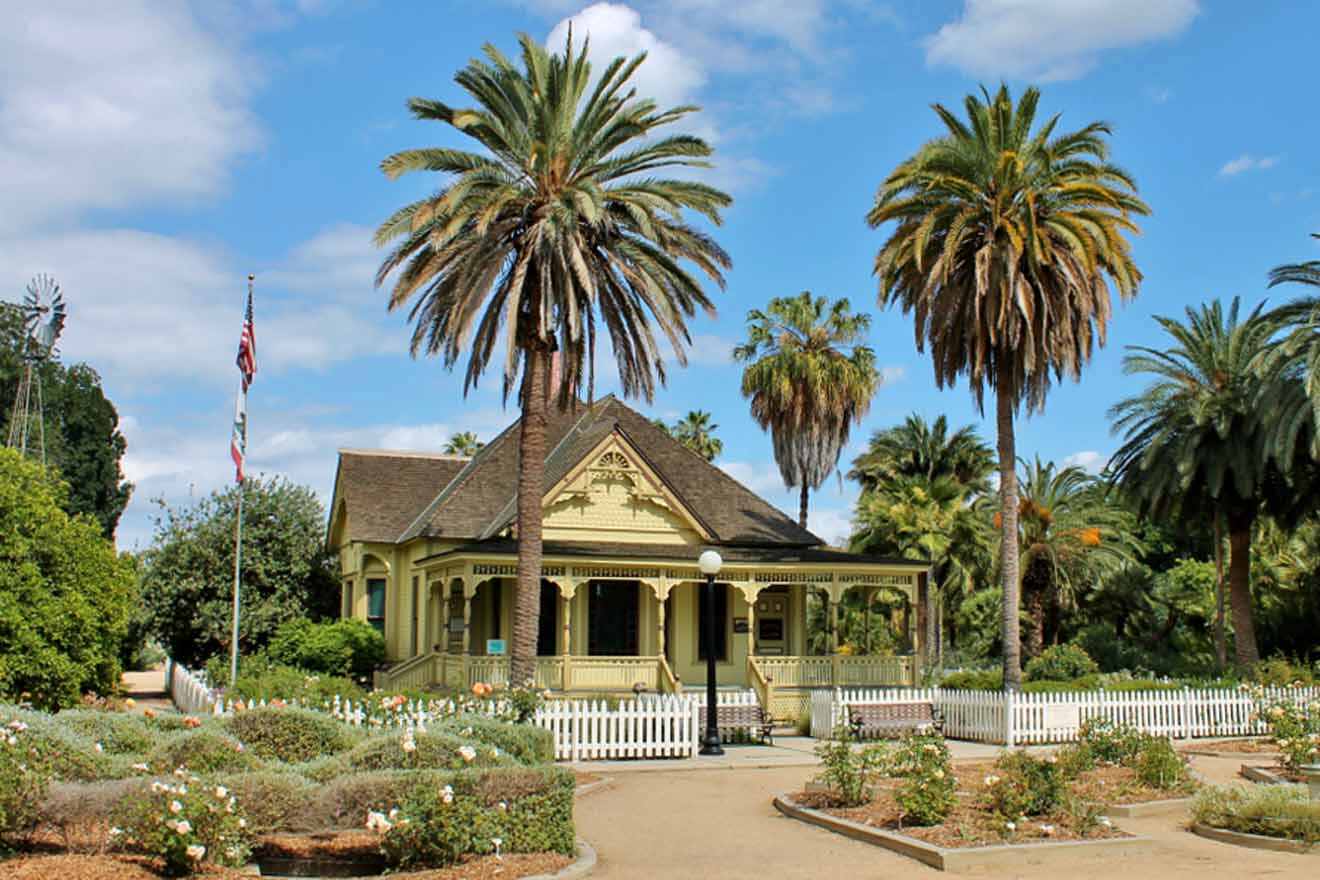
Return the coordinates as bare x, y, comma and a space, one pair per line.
720, 824
147, 688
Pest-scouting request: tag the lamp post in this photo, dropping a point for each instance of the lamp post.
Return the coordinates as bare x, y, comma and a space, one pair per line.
709, 562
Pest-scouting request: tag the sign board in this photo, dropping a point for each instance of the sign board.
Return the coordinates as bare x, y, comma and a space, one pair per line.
495, 647
1062, 716
740, 625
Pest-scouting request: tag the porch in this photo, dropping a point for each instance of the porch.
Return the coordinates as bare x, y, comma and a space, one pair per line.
620, 625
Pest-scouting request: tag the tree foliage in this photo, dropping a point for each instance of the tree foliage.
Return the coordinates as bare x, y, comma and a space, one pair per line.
65, 596
463, 443
696, 431
83, 441
809, 379
188, 572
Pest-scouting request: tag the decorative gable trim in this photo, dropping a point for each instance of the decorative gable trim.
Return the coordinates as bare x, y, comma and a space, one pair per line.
615, 465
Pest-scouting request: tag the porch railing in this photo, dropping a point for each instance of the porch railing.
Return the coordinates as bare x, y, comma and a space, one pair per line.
559, 673
836, 670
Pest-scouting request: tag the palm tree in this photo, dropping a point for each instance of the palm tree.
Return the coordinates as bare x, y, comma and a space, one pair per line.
1300, 319
809, 380
1198, 435
464, 443
1071, 536
1005, 245
919, 517
563, 221
697, 432
920, 449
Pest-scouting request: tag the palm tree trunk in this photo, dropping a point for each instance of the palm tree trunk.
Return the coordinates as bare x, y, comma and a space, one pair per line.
1033, 600
1221, 644
531, 479
1239, 589
802, 505
1008, 544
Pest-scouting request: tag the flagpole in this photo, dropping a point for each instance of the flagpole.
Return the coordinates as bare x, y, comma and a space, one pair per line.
238, 521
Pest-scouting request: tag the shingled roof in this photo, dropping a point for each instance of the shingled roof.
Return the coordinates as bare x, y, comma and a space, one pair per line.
384, 490
480, 501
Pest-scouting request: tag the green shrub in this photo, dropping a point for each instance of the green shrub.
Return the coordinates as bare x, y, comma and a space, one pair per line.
1272, 810
1294, 728
497, 811
202, 751
185, 822
66, 754
1075, 759
351, 647
264, 682
1110, 743
1281, 672
272, 800
1024, 786
1159, 765
850, 773
24, 777
926, 794
1060, 663
117, 732
526, 743
974, 680
422, 751
290, 735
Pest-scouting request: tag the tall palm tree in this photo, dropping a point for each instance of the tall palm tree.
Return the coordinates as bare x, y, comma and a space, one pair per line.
809, 380
1005, 244
463, 443
562, 220
1072, 535
1198, 435
917, 448
696, 431
1300, 320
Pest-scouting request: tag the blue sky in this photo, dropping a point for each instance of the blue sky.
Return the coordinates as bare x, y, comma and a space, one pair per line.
152, 154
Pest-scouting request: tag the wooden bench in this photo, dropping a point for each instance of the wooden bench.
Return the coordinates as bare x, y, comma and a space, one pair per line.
890, 719
741, 717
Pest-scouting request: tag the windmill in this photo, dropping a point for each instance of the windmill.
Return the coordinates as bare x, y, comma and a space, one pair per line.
42, 317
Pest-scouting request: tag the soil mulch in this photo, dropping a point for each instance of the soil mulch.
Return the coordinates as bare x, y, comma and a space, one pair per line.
1237, 746
969, 825
584, 778
87, 867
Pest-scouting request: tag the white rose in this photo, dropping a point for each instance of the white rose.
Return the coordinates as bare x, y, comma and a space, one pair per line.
176, 808
196, 852
221, 792
468, 753
183, 826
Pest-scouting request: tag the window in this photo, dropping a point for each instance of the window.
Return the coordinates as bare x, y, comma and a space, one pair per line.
612, 618
721, 603
413, 640
547, 627
346, 609
376, 603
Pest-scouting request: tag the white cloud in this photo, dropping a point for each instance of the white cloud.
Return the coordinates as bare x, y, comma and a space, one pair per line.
761, 478
1051, 40
832, 525
107, 105
1088, 460
892, 375
708, 350
1158, 95
1247, 162
148, 308
614, 29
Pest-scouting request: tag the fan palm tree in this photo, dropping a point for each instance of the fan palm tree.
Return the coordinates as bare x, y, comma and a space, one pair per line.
1198, 435
696, 431
463, 443
1071, 536
917, 448
1006, 242
561, 221
809, 380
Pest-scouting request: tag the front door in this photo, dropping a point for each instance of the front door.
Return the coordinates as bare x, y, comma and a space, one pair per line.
612, 610
772, 622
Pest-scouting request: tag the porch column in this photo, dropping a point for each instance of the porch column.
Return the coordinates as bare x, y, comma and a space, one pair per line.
834, 592
469, 591
750, 593
567, 590
922, 644
442, 638
660, 587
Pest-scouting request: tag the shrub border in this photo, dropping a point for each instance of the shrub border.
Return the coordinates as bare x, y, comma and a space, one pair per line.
1254, 841
950, 859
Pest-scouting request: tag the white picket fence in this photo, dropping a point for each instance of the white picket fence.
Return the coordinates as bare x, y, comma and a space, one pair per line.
189, 690
1012, 718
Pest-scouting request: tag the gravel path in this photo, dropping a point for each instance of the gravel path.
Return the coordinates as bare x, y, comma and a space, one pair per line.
720, 824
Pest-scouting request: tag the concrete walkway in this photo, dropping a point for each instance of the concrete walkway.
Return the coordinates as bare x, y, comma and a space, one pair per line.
147, 688
705, 823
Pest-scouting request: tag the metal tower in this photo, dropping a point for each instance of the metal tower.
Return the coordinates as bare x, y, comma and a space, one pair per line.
42, 316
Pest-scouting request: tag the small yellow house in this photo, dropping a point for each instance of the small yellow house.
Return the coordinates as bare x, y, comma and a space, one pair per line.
427, 552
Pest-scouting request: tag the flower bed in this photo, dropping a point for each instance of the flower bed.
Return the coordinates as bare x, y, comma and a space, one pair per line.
1278, 812
201, 794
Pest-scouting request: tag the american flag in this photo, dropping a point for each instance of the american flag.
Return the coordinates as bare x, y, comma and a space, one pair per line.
247, 344
247, 368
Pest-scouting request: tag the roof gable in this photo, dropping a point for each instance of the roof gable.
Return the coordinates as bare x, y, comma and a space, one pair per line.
377, 493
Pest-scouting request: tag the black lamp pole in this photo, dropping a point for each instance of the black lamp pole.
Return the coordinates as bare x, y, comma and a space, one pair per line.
711, 742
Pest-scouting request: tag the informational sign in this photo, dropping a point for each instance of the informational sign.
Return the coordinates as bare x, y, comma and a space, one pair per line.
495, 647
740, 625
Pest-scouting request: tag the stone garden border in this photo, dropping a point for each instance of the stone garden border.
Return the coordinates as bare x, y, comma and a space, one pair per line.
1002, 856
1254, 841
1146, 809
1263, 775
582, 867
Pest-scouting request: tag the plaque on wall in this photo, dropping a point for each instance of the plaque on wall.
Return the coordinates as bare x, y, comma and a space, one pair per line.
740, 625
